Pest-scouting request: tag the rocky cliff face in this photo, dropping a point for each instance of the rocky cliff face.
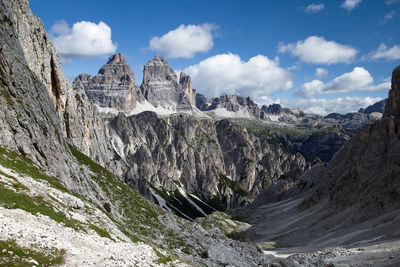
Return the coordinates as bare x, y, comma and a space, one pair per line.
202, 103
366, 169
352, 200
162, 88
378, 107
114, 87
214, 161
43, 113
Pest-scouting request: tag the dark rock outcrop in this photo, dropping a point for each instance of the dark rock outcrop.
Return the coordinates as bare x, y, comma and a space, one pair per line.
377, 107
202, 103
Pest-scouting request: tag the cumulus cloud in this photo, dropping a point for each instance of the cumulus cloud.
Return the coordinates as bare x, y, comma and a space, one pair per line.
229, 74
350, 4
324, 106
383, 51
314, 8
317, 50
321, 72
84, 39
185, 41
359, 79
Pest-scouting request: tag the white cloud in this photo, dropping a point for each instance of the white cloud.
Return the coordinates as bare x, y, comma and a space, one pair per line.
321, 72
185, 41
84, 39
357, 80
325, 106
383, 51
316, 50
228, 74
350, 4
314, 8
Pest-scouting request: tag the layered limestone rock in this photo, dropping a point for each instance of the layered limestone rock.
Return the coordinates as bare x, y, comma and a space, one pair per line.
41, 112
216, 161
162, 89
113, 88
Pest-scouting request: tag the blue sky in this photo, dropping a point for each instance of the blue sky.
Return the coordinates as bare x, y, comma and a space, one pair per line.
269, 50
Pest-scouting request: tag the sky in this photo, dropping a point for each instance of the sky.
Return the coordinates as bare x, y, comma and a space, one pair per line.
319, 56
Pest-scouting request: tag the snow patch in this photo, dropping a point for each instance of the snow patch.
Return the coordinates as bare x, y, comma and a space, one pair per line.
161, 201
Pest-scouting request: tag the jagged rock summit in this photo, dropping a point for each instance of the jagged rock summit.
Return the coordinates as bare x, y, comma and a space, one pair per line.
163, 90
114, 88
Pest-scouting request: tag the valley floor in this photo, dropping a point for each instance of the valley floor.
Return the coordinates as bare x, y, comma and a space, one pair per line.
284, 231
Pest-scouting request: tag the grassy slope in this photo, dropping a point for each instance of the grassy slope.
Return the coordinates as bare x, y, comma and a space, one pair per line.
140, 217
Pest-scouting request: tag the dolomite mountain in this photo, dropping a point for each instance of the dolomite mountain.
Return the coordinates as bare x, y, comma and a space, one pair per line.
208, 165
114, 88
54, 146
59, 202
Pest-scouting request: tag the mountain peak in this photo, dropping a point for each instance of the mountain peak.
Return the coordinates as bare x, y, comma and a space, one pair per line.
118, 58
157, 61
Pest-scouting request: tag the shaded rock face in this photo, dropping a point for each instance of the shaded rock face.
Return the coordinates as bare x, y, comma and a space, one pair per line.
350, 122
216, 161
392, 107
161, 87
377, 107
202, 103
114, 87
43, 114
365, 173
321, 145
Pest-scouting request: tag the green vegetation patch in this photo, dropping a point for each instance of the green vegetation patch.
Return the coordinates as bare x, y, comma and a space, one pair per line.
13, 200
228, 225
4, 93
162, 259
11, 254
203, 137
22, 165
100, 232
224, 181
